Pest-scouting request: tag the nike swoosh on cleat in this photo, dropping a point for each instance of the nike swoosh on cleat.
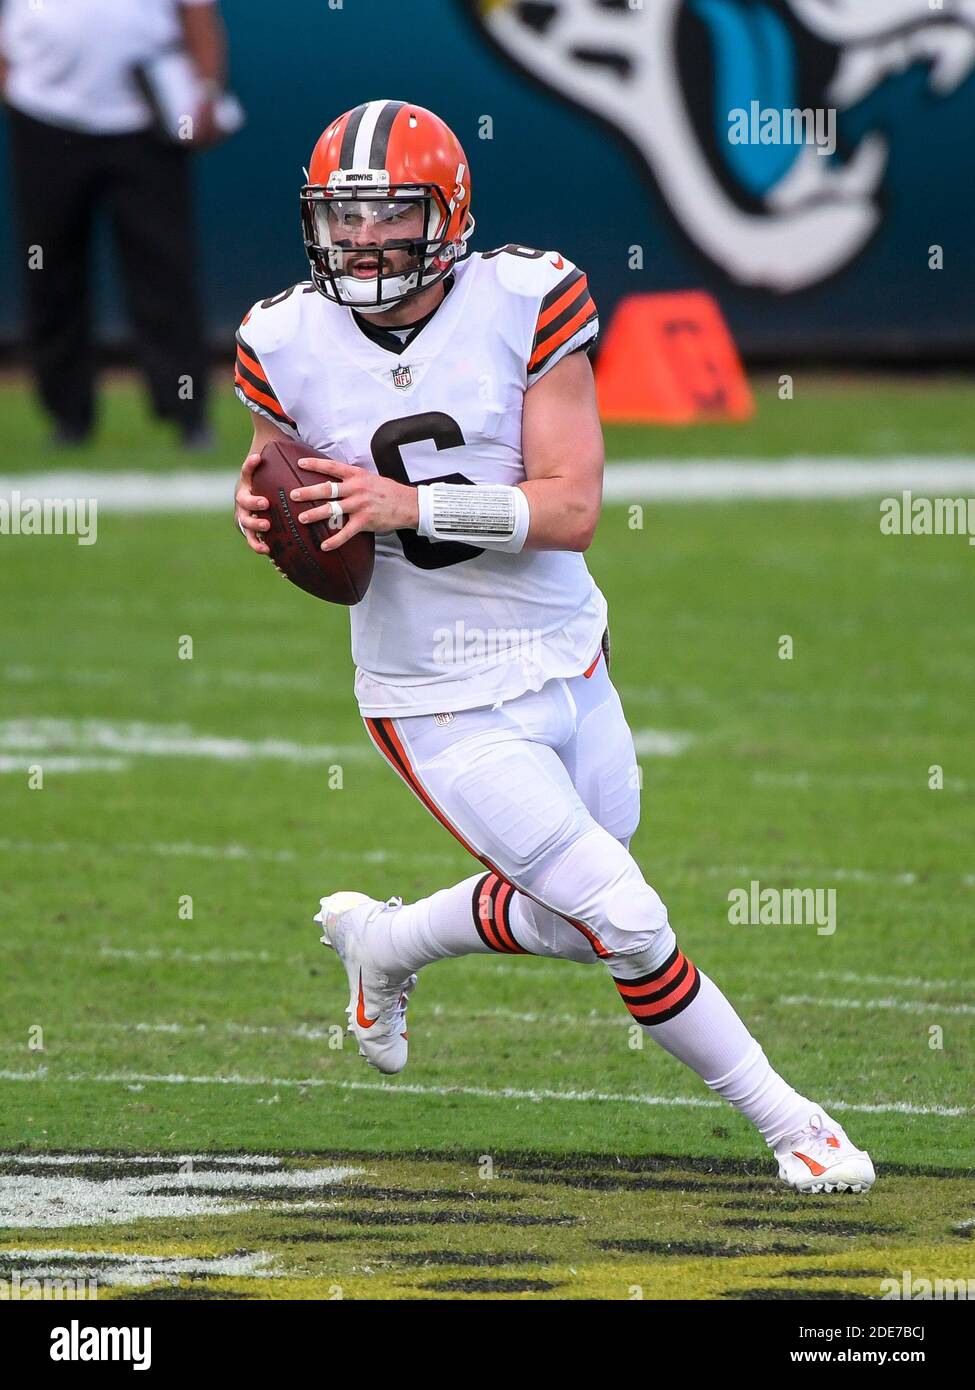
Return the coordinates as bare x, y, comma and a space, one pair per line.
361, 1017
815, 1168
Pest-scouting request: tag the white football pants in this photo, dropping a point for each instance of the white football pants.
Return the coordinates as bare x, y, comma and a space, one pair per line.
544, 790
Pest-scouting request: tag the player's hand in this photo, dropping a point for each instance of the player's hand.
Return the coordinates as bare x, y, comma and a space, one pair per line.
249, 507
369, 501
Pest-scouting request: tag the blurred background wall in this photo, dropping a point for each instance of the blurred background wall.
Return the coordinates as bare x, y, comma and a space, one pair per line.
607, 122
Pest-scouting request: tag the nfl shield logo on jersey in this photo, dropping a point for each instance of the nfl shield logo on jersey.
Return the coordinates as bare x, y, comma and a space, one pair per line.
402, 377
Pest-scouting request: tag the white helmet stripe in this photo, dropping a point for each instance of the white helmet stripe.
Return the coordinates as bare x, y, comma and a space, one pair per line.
363, 138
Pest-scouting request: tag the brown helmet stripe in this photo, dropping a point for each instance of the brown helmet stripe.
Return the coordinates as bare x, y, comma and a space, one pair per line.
380, 136
349, 134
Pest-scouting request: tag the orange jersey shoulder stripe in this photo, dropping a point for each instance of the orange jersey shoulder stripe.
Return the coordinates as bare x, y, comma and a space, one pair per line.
270, 403
579, 286
563, 334
252, 365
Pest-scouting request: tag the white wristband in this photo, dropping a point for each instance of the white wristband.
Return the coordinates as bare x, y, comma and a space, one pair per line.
492, 516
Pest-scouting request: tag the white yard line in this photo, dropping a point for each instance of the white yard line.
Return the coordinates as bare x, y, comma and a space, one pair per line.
22, 674
833, 698
794, 874
35, 737
191, 849
879, 781
660, 743
65, 1160
80, 745
825, 478
907, 1006
23, 763
656, 480
538, 965
506, 1093
853, 977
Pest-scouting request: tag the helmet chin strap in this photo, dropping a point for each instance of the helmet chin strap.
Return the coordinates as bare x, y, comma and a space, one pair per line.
361, 294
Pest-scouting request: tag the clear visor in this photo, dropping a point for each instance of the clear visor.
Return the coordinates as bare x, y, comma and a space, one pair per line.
374, 235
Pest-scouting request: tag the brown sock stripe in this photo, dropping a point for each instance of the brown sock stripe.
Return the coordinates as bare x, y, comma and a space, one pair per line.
490, 907
664, 993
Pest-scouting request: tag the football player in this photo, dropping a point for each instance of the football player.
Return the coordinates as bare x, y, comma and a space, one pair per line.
452, 396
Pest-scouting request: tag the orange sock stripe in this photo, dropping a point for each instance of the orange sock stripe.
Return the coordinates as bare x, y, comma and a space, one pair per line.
491, 915
502, 905
484, 912
640, 992
673, 1002
386, 739
666, 1004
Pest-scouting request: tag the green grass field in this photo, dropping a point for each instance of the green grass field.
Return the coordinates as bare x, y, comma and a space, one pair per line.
613, 1170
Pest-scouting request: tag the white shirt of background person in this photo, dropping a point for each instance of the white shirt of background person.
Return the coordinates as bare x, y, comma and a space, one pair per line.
70, 62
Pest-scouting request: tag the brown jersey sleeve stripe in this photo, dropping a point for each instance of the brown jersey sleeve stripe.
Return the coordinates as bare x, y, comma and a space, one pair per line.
559, 305
547, 306
585, 315
268, 403
242, 368
253, 361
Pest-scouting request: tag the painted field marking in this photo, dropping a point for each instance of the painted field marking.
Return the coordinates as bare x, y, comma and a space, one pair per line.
42, 735
658, 480
190, 849
136, 1270
876, 780
65, 1160
140, 1079
907, 1006
21, 673
58, 1199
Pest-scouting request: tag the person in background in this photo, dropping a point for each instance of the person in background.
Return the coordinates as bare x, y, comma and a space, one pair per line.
83, 142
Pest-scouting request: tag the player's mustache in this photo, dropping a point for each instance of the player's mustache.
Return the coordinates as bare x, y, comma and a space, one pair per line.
355, 255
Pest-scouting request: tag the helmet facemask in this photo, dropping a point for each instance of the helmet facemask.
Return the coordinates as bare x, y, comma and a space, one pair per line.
373, 245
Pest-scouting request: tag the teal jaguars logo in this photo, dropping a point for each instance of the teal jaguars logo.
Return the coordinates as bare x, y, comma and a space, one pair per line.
732, 108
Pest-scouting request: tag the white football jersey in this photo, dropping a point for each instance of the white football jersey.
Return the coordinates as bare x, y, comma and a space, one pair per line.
443, 626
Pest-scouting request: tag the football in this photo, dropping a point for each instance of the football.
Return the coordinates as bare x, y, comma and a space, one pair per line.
337, 576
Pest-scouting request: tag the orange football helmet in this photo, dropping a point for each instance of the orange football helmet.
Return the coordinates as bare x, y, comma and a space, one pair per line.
385, 212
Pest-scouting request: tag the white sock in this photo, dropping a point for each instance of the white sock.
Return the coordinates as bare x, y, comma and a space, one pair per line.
696, 1024
405, 939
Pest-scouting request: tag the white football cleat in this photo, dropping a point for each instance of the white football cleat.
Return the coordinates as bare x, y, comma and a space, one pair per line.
820, 1158
377, 1003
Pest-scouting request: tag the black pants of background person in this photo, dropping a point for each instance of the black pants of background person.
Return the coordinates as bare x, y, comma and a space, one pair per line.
62, 180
